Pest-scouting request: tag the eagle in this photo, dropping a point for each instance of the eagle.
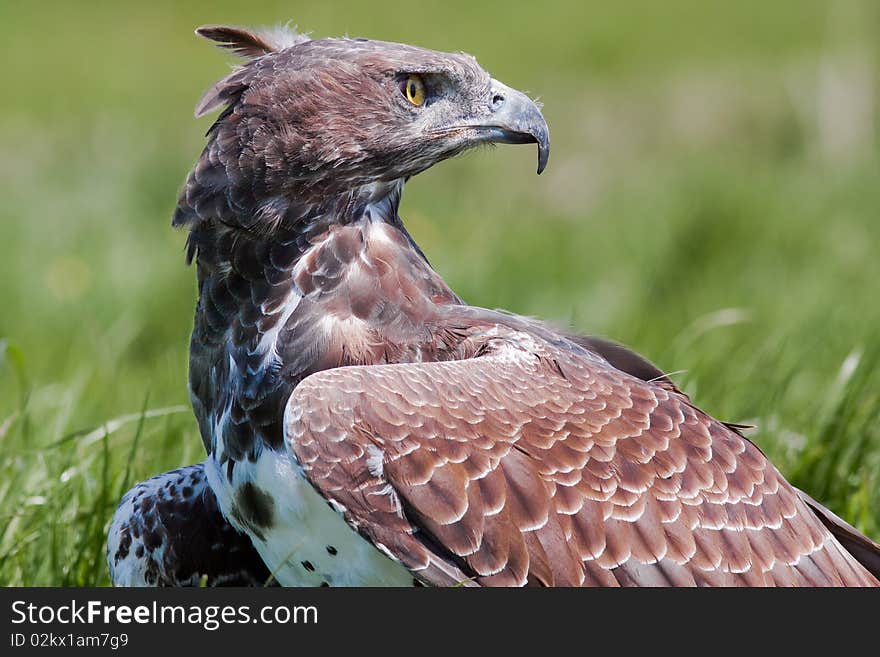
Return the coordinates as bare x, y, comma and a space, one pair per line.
364, 426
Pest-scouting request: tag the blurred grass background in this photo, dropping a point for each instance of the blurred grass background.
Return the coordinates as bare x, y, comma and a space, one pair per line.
712, 201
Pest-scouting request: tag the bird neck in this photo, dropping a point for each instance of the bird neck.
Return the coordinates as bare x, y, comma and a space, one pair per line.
377, 201
290, 225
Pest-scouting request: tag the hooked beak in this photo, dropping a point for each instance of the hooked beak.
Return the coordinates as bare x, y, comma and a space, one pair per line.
515, 119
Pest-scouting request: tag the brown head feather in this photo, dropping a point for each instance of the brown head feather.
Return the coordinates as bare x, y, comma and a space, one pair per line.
240, 41
250, 43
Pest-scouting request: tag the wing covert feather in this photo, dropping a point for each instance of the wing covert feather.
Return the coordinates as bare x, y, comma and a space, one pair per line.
530, 465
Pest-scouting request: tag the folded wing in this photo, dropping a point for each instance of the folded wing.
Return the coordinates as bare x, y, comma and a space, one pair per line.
532, 464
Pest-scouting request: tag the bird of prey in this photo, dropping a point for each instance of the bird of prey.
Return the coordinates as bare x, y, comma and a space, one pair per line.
365, 426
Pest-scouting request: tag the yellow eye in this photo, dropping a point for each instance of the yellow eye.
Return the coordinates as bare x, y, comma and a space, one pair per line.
414, 90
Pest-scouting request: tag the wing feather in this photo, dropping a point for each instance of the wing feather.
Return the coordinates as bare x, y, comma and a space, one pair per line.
533, 465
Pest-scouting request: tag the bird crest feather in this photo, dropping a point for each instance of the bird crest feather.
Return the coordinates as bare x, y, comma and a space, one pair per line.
247, 43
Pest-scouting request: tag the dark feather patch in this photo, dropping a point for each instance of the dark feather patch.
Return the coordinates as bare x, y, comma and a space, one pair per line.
162, 537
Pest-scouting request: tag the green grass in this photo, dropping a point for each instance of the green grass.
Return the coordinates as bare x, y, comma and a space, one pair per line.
712, 201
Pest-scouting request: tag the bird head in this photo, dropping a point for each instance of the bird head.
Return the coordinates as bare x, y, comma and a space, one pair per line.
316, 116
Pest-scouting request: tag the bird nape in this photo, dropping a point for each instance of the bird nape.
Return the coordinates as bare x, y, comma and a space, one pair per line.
365, 426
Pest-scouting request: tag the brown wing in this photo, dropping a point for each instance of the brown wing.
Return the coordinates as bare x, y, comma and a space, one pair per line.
857, 544
528, 465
